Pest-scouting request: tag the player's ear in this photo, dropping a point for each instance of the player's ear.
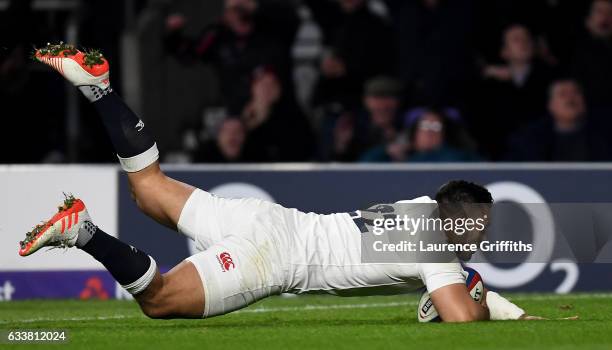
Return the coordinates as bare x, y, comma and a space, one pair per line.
486, 215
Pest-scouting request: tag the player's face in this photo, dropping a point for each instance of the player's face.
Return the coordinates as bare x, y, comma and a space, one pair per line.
478, 213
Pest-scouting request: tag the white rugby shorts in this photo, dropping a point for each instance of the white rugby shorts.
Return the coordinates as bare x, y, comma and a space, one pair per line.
244, 245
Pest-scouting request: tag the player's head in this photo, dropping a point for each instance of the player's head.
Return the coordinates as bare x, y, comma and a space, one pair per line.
460, 200
461, 191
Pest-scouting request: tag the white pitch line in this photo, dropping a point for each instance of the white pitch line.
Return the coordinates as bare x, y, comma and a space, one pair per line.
318, 307
49, 319
257, 310
562, 296
413, 303
327, 307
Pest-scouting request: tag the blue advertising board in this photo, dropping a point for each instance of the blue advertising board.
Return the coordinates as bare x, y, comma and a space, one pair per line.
317, 188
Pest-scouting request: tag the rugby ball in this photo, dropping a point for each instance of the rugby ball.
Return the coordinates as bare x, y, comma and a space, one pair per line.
427, 311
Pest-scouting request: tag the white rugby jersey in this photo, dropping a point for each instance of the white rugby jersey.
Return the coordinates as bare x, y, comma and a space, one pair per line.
325, 256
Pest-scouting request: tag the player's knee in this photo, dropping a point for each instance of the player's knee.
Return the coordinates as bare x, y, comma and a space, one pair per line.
141, 202
150, 311
155, 312
156, 308
154, 301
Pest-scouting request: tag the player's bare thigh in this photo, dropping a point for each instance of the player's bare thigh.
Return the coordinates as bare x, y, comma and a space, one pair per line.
179, 293
159, 196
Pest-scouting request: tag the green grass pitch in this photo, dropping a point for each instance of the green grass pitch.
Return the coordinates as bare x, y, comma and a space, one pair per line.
316, 322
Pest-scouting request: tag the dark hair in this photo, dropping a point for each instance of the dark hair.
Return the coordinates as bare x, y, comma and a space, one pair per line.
460, 191
455, 133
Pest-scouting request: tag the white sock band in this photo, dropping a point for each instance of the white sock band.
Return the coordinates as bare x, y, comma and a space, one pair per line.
502, 309
141, 161
143, 282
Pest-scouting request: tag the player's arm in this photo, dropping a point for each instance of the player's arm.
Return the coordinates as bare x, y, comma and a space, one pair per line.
455, 304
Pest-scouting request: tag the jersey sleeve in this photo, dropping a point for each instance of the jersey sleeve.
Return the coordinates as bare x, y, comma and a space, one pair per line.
438, 275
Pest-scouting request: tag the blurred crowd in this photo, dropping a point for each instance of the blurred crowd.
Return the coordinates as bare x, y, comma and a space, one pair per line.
420, 81
402, 81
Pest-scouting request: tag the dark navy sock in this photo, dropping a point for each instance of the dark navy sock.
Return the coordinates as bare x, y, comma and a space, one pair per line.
132, 268
127, 132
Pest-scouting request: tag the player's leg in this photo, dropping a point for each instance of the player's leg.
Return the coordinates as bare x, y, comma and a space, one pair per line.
166, 200
230, 275
157, 195
179, 293
237, 272
176, 294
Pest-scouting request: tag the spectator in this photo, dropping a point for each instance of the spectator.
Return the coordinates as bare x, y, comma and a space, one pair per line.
277, 128
227, 147
250, 34
495, 16
382, 103
567, 135
552, 23
591, 64
434, 137
358, 44
513, 93
375, 124
430, 136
